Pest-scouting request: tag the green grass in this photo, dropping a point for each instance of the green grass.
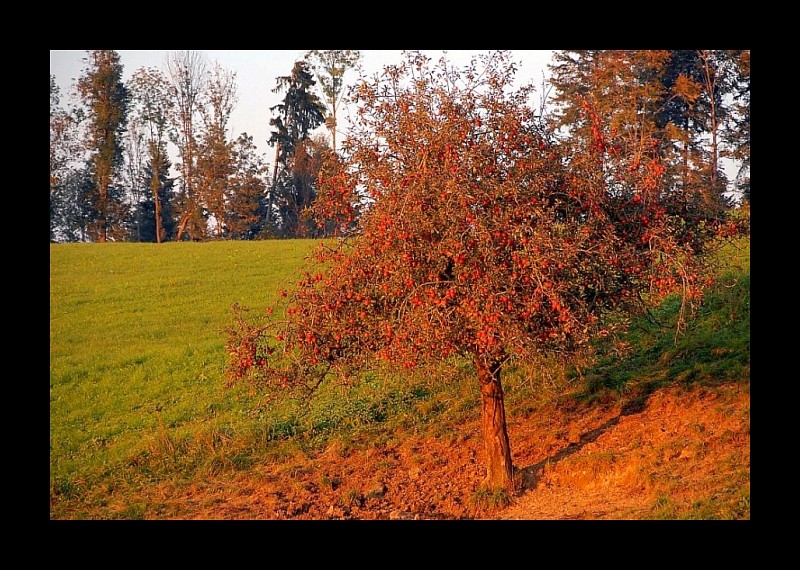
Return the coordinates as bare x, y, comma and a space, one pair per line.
136, 345
731, 505
137, 355
714, 347
137, 358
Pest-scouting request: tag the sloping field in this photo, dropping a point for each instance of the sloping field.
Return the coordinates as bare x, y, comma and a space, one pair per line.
141, 425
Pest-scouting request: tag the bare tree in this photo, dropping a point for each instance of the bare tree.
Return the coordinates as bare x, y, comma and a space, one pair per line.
187, 75
329, 67
135, 161
215, 163
153, 106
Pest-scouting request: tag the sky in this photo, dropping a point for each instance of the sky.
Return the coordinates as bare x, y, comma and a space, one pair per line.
256, 72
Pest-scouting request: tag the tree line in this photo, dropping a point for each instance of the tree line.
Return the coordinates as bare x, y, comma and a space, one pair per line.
111, 176
695, 104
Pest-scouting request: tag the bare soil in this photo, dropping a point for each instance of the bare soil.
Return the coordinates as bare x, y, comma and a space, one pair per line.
656, 457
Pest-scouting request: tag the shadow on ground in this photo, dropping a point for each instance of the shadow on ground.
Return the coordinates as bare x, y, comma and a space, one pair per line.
531, 475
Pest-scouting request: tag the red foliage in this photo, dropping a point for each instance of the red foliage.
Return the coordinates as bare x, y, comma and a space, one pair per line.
483, 237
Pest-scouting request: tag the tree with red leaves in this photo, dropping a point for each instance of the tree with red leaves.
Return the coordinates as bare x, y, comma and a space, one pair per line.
482, 237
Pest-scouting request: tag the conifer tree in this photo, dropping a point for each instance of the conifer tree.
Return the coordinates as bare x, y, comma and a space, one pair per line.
106, 100
737, 129
300, 113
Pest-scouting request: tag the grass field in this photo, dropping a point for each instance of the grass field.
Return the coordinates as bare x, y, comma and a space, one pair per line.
136, 346
137, 393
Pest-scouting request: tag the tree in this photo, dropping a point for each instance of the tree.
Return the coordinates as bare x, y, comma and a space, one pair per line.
154, 214
106, 100
74, 204
737, 129
622, 87
337, 206
133, 172
300, 113
247, 203
573, 74
300, 184
153, 106
678, 96
215, 160
692, 98
187, 74
483, 239
717, 79
63, 151
329, 67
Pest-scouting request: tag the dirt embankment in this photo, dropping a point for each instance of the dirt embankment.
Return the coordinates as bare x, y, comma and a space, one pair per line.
678, 453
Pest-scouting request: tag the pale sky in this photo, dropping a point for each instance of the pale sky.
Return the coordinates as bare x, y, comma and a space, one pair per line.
257, 70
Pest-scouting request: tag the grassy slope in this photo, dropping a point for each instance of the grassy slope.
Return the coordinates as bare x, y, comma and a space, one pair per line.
136, 397
136, 347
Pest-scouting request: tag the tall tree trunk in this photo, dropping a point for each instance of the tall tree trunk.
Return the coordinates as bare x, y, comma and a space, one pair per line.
499, 469
711, 90
685, 177
103, 205
184, 220
271, 198
333, 129
154, 186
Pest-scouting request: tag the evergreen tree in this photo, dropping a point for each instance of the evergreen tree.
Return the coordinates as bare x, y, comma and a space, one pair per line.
73, 196
301, 177
572, 74
106, 101
300, 112
623, 90
683, 120
676, 97
152, 228
695, 85
737, 129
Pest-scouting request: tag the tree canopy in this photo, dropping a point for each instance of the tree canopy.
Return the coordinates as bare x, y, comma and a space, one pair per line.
484, 237
105, 97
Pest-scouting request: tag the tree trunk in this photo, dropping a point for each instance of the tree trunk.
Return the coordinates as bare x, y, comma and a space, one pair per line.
154, 186
711, 91
333, 128
270, 199
499, 469
102, 208
182, 225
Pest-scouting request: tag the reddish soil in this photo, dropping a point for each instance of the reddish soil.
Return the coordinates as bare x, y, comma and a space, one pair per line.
675, 449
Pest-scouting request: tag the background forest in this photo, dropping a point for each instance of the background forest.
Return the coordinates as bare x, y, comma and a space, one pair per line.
153, 159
